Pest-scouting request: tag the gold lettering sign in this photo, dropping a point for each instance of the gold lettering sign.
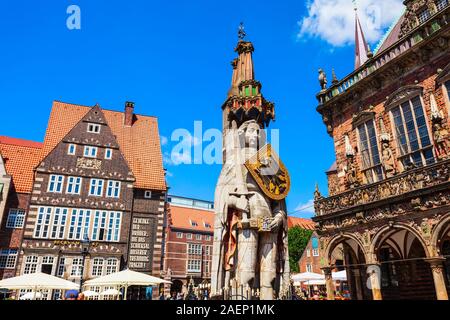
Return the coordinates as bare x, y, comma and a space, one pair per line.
269, 173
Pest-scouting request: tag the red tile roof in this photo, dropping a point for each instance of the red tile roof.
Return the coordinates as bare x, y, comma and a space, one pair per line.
140, 143
182, 218
21, 156
300, 222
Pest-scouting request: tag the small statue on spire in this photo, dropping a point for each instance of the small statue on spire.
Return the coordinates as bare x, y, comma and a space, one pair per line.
241, 32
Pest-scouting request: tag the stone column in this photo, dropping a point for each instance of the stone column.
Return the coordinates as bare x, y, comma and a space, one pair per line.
374, 273
437, 268
329, 282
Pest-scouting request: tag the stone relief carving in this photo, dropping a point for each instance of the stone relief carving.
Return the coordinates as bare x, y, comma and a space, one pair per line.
409, 181
85, 163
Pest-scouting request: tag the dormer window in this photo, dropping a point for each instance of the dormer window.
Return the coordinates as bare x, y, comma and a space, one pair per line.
194, 224
90, 152
207, 225
93, 128
148, 194
72, 149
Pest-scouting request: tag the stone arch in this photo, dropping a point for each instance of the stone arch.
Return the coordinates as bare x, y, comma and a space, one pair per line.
338, 239
381, 236
441, 227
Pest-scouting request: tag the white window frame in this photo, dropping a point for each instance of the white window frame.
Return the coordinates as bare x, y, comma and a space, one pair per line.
194, 265
111, 266
98, 185
198, 237
110, 151
76, 269
69, 152
179, 235
31, 264
97, 267
42, 227
113, 189
93, 128
148, 194
308, 253
59, 221
74, 182
16, 218
315, 252
309, 267
189, 236
194, 248
87, 152
207, 237
8, 258
58, 183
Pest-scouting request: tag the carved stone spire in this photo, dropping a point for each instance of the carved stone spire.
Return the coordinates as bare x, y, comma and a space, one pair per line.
384, 135
436, 114
335, 79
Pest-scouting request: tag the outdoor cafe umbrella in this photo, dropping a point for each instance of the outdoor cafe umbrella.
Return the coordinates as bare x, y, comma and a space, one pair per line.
31, 295
125, 279
307, 276
37, 281
90, 293
111, 292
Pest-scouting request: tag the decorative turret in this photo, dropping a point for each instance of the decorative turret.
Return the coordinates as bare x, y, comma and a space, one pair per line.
245, 101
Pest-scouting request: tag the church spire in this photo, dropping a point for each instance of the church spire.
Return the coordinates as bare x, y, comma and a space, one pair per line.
361, 48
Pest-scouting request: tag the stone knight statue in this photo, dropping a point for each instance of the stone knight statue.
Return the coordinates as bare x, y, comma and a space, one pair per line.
250, 230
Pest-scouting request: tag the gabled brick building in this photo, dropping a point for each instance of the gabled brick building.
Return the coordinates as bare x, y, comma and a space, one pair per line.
18, 157
188, 243
98, 176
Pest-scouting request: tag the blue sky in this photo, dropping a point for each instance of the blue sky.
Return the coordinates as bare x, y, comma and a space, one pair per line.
173, 60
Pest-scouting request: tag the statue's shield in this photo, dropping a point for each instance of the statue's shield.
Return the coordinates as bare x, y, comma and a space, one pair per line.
270, 173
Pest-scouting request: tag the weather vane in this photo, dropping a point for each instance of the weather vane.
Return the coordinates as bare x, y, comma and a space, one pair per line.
241, 32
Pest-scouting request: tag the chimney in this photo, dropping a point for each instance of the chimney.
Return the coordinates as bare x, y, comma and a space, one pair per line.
129, 108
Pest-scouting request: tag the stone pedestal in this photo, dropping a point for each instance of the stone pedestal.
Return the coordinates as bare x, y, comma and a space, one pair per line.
437, 268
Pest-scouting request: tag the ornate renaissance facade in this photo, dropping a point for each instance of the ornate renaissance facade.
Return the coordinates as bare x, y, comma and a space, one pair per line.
388, 203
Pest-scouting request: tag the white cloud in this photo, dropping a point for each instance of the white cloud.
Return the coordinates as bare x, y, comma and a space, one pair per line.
334, 20
164, 140
305, 208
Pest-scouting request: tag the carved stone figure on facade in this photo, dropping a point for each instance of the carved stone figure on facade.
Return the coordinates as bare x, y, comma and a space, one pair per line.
323, 80
351, 175
440, 136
